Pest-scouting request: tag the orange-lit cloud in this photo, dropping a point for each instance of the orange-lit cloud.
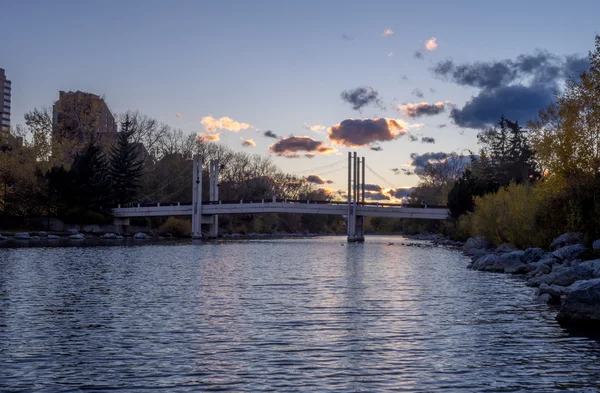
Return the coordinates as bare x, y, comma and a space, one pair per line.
423, 108
293, 145
365, 132
431, 44
178, 115
248, 142
315, 128
317, 179
388, 32
204, 137
212, 124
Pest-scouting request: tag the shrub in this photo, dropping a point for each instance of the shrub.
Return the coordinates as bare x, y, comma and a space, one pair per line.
176, 227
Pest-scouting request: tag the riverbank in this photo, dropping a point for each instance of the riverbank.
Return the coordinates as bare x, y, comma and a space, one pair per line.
567, 276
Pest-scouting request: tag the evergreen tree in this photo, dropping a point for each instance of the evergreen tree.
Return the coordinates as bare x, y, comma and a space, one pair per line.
90, 179
125, 165
461, 196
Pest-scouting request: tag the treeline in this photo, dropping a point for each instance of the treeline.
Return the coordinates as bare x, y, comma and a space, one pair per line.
526, 187
148, 163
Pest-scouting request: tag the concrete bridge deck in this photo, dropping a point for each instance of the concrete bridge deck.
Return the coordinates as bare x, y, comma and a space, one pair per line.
302, 206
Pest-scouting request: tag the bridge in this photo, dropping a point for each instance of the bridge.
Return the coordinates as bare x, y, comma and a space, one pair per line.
354, 209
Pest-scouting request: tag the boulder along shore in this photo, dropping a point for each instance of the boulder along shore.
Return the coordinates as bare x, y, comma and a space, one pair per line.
562, 275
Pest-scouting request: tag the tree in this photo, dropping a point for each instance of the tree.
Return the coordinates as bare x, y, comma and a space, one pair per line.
566, 135
126, 167
90, 182
39, 122
461, 196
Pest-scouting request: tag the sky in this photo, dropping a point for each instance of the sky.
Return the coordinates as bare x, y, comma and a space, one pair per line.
392, 80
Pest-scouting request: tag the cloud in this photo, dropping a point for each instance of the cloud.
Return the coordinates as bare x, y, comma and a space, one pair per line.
365, 132
270, 134
423, 109
315, 128
376, 148
418, 93
372, 187
516, 102
360, 97
400, 193
431, 44
346, 37
395, 170
433, 91
248, 143
204, 137
376, 196
178, 115
390, 54
404, 78
412, 138
317, 179
418, 55
388, 33
517, 88
224, 123
442, 126
420, 160
293, 145
427, 139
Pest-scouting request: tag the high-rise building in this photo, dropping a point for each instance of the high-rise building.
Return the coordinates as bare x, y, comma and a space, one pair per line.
79, 116
5, 85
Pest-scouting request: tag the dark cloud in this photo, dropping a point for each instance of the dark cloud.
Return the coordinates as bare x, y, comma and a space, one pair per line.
376, 196
407, 172
433, 91
404, 78
365, 132
360, 97
270, 134
418, 93
413, 138
317, 179
516, 102
423, 109
401, 192
442, 126
346, 37
517, 88
376, 148
372, 187
418, 55
427, 139
420, 160
395, 170
292, 145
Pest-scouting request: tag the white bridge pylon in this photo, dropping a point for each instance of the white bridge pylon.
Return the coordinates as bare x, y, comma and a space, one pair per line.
355, 209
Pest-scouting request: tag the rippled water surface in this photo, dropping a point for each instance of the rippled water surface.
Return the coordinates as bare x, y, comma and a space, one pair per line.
280, 315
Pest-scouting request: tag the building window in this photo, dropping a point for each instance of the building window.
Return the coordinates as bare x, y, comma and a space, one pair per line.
6, 122
6, 97
7, 90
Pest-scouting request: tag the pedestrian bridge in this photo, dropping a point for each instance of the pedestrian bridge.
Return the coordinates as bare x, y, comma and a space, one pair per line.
284, 206
355, 209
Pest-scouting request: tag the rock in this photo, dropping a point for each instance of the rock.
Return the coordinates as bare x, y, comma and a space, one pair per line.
110, 236
554, 291
596, 245
141, 236
72, 231
594, 266
582, 304
2, 237
53, 237
544, 298
43, 234
77, 236
504, 248
475, 252
569, 252
476, 242
563, 276
566, 239
34, 237
533, 255
22, 236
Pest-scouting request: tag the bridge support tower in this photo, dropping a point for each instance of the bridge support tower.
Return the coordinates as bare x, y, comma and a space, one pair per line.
213, 227
355, 223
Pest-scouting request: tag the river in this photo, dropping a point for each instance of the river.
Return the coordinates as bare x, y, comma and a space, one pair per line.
277, 315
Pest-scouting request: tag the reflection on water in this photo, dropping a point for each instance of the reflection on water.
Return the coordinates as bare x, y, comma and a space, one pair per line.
279, 315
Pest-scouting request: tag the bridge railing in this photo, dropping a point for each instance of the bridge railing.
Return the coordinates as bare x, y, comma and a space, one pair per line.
274, 200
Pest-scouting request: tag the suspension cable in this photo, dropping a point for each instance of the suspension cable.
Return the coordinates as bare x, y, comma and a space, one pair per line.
381, 177
319, 167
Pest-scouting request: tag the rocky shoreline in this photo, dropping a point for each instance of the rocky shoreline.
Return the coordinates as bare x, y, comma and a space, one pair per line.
562, 275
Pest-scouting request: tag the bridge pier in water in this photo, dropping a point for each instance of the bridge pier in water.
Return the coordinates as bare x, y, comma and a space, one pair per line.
355, 224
